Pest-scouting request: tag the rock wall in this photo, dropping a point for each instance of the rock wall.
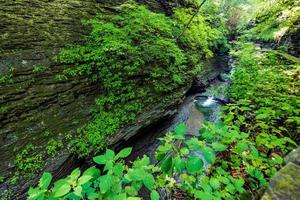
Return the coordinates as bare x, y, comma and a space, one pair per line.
35, 105
285, 184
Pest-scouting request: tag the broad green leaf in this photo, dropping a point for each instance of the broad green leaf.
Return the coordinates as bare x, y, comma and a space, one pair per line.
75, 173
108, 165
109, 154
238, 184
34, 193
167, 164
217, 146
204, 195
194, 164
101, 160
164, 148
207, 188
194, 144
184, 151
181, 130
124, 153
92, 171
136, 174
241, 147
119, 197
159, 156
214, 183
131, 191
230, 188
224, 180
72, 178
206, 135
149, 181
154, 195
106, 183
262, 116
61, 188
118, 170
179, 164
133, 198
45, 181
84, 179
72, 196
209, 155
254, 152
78, 191
137, 185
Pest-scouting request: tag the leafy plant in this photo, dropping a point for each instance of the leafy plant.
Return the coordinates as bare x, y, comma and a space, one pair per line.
6, 78
116, 181
39, 68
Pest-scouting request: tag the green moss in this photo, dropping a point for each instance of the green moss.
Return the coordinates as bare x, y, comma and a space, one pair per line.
7, 78
53, 146
2, 179
28, 161
39, 68
3, 109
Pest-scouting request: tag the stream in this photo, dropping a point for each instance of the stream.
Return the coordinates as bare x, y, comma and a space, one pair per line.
195, 109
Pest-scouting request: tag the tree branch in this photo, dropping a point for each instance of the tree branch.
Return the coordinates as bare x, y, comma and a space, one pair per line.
190, 21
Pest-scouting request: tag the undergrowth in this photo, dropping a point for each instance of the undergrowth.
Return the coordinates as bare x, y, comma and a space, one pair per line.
139, 63
232, 159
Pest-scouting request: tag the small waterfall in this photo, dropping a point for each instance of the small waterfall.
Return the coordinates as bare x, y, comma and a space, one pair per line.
209, 101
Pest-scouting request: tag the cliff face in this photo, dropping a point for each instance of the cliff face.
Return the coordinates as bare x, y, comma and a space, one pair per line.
36, 106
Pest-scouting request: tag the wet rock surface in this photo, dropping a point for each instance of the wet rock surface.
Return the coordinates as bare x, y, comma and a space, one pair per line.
36, 107
285, 184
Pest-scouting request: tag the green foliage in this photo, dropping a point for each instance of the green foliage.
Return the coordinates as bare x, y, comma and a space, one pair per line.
2, 179
265, 93
139, 63
264, 110
276, 19
242, 152
3, 109
39, 69
116, 181
243, 164
7, 78
28, 162
201, 36
228, 159
53, 147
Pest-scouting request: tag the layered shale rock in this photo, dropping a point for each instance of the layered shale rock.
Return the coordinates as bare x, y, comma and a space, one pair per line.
36, 104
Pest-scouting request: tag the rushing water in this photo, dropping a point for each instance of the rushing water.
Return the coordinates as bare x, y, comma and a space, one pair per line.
193, 112
195, 109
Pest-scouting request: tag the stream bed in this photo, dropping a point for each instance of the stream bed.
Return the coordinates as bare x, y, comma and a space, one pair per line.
195, 109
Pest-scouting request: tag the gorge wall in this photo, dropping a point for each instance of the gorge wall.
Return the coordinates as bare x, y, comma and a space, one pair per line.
36, 106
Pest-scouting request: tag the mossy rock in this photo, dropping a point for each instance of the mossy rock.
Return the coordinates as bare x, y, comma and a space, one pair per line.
285, 184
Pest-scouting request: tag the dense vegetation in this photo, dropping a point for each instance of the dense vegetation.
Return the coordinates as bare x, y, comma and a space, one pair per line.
242, 152
137, 58
139, 61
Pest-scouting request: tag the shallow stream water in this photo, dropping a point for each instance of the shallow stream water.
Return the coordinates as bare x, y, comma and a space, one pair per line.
195, 109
